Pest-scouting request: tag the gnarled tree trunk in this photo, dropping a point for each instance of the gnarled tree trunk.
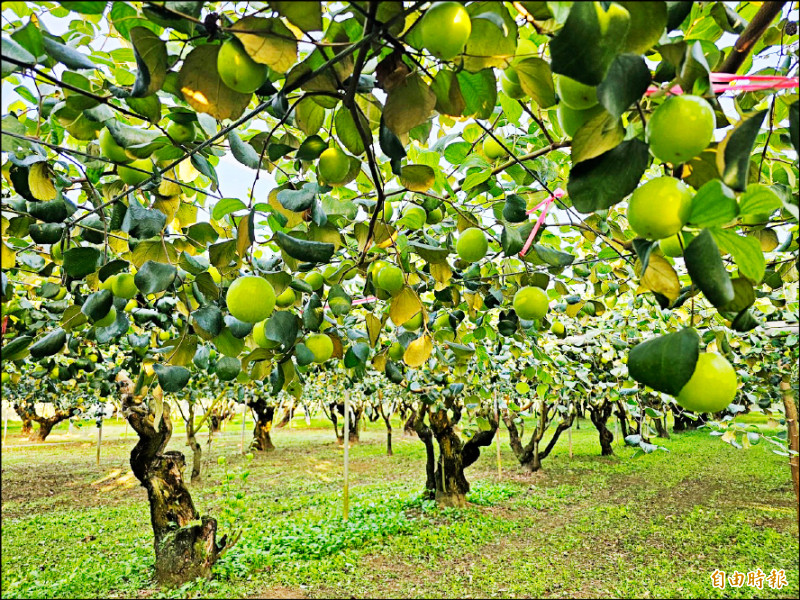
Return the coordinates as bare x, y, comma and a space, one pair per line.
530, 455
336, 411
426, 435
600, 416
262, 440
46, 424
25, 415
681, 422
185, 543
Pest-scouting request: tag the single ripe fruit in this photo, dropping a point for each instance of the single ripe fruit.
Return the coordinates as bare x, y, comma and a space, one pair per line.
510, 84
124, 286
659, 208
680, 129
286, 298
493, 149
260, 337
321, 346
315, 280
530, 303
131, 176
434, 216
572, 120
108, 284
111, 149
712, 386
575, 94
390, 278
237, 70
445, 29
472, 245
108, 319
250, 299
674, 245
414, 322
164, 336
414, 217
334, 165
181, 132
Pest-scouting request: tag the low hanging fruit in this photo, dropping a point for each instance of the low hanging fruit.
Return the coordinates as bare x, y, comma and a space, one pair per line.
659, 208
472, 245
445, 28
250, 299
575, 94
237, 70
680, 129
531, 303
334, 165
712, 386
321, 347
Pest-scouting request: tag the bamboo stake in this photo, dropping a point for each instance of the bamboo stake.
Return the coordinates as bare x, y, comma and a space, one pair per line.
346, 507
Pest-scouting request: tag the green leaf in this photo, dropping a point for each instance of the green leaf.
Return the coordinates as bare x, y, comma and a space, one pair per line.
154, 277
80, 262
515, 209
431, 254
707, 270
347, 131
511, 240
14, 50
665, 363
203, 89
172, 379
98, 304
714, 204
695, 75
597, 136
390, 144
536, 80
734, 151
479, 91
551, 256
759, 200
648, 21
149, 107
626, 82
309, 116
282, 327
305, 250
313, 313
151, 59
590, 39
65, 54
744, 296
16, 347
141, 222
50, 344
208, 321
311, 148
243, 152
227, 343
489, 45
305, 15
86, 8
408, 104
226, 206
601, 182
475, 179
121, 324
746, 253
339, 301
299, 200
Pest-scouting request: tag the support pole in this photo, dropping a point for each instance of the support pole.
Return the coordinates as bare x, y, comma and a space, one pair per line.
244, 421
346, 508
99, 437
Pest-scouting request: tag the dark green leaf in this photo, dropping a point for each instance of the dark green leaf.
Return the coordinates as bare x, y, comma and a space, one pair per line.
50, 344
80, 262
305, 250
242, 151
707, 270
714, 204
282, 327
172, 379
65, 54
97, 305
311, 148
208, 321
665, 363
154, 277
626, 81
141, 222
736, 149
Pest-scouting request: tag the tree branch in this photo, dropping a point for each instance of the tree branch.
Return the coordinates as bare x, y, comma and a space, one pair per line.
751, 34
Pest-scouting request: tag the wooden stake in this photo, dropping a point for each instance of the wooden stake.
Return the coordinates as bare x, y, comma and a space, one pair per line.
346, 508
244, 420
99, 438
497, 440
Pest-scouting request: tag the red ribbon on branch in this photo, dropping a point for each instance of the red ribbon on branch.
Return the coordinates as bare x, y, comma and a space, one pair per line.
545, 206
729, 82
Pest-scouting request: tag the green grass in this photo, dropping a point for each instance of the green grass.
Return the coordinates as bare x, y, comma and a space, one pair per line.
589, 526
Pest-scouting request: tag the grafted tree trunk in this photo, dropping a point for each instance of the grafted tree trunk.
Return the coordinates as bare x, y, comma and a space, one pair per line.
27, 422
262, 440
409, 428
622, 417
661, 427
46, 424
185, 543
600, 416
197, 450
285, 418
336, 411
387, 420
682, 422
454, 456
426, 435
530, 455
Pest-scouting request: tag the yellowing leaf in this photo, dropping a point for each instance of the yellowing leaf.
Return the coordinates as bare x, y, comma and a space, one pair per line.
40, 183
274, 44
168, 206
417, 178
203, 89
408, 105
661, 278
379, 362
573, 309
418, 351
7, 256
292, 218
405, 305
374, 327
441, 273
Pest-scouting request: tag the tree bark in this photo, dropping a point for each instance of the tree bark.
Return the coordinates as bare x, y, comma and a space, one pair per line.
426, 436
600, 416
751, 34
27, 422
262, 440
45, 427
790, 408
661, 427
683, 423
622, 417
530, 456
185, 543
197, 450
408, 427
